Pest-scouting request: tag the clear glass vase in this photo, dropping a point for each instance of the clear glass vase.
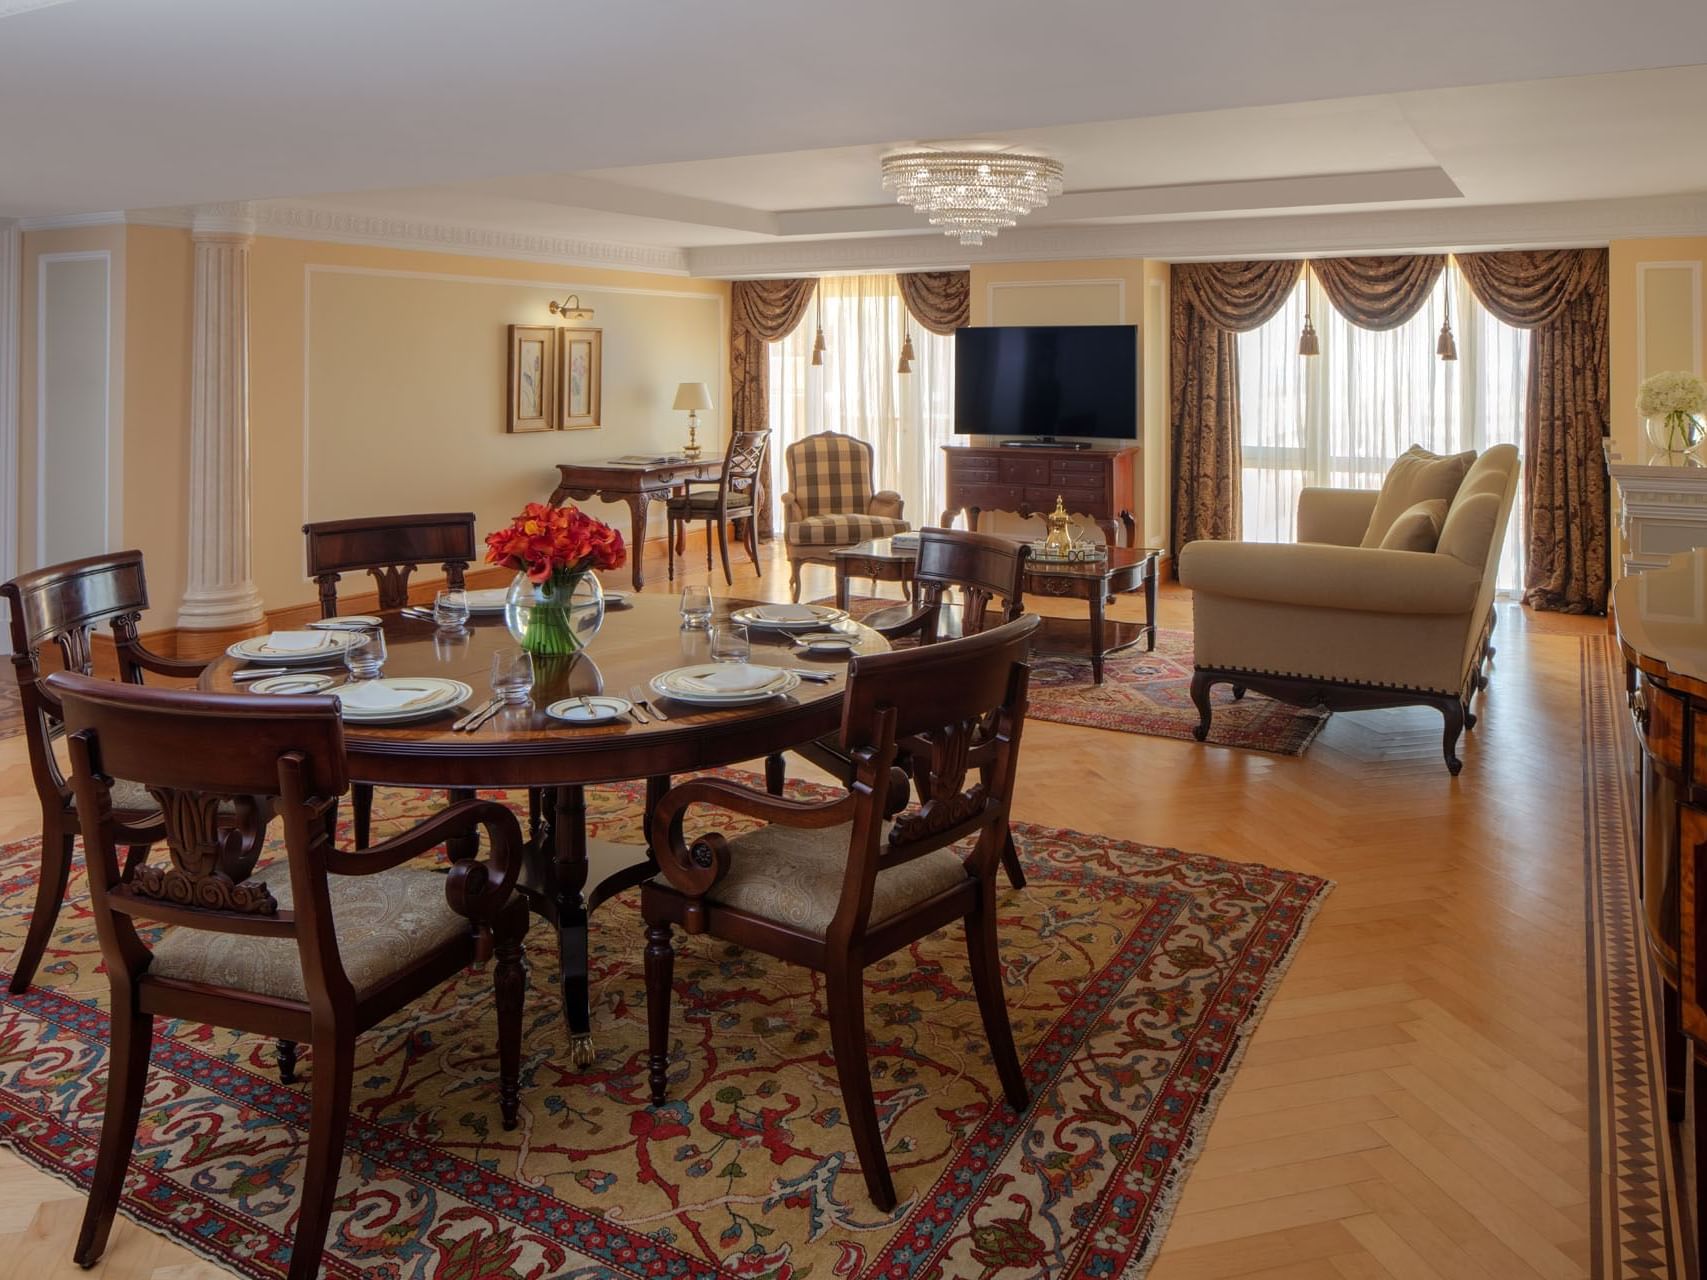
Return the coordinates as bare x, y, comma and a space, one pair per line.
557, 617
1676, 433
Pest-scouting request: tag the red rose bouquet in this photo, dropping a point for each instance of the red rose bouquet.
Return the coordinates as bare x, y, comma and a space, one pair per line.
555, 547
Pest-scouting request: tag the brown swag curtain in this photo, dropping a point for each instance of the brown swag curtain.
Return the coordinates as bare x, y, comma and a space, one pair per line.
939, 300
1212, 302
1379, 292
1560, 295
760, 311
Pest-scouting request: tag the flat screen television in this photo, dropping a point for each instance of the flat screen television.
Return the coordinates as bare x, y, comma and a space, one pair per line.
1047, 380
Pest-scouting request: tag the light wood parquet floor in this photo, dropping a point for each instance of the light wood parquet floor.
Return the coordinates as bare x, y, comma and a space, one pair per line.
1415, 1103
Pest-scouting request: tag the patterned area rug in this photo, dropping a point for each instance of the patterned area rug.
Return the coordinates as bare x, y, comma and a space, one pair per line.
11, 710
1636, 1224
1150, 693
1135, 976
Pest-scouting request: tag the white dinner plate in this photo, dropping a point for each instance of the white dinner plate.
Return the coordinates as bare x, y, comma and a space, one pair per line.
434, 696
595, 708
682, 684
255, 649
486, 599
798, 617
302, 682
827, 643
347, 622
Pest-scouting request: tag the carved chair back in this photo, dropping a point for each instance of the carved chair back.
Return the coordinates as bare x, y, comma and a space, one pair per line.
62, 605
742, 464
956, 708
985, 569
195, 752
830, 473
390, 548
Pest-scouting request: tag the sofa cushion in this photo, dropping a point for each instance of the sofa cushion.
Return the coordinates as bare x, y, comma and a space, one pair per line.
1415, 476
1468, 532
842, 530
794, 876
1417, 528
384, 922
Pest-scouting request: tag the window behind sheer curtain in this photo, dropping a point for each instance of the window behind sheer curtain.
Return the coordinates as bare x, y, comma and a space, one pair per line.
1340, 418
905, 417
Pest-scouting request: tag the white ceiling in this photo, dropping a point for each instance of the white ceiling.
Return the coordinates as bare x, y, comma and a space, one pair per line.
756, 127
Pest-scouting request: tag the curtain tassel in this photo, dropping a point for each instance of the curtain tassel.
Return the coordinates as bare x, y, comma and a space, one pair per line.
906, 365
1446, 347
1308, 343
818, 347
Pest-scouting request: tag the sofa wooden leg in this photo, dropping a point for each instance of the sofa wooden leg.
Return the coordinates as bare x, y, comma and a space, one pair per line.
1201, 683
1452, 713
1238, 692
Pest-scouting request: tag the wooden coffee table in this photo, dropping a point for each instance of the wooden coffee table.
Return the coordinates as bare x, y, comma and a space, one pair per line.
1097, 582
878, 559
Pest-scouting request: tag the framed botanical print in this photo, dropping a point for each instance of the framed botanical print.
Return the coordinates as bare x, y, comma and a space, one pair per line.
580, 355
533, 372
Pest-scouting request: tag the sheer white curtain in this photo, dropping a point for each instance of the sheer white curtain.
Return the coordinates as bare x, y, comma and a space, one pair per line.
1340, 418
905, 417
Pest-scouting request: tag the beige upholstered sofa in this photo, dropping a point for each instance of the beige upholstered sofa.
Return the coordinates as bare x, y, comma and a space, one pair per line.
1328, 622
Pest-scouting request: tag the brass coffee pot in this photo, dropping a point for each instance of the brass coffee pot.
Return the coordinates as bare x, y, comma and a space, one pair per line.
1060, 539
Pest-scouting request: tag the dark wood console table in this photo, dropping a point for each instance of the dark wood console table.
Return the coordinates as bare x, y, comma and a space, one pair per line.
1661, 620
637, 484
1091, 482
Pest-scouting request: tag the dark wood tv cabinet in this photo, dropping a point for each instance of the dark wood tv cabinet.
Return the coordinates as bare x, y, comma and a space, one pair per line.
1091, 482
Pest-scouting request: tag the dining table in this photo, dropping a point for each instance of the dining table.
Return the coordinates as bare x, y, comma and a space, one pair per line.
565, 876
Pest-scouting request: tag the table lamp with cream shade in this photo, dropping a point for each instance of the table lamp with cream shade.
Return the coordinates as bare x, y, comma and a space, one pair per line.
693, 396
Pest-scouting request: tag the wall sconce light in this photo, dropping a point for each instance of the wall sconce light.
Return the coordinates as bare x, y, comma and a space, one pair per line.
571, 309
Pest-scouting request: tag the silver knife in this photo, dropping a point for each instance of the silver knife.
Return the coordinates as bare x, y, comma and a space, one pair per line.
486, 715
638, 696
468, 719
639, 716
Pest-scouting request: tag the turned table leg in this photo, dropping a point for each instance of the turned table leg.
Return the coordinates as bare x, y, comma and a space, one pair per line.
569, 836
638, 504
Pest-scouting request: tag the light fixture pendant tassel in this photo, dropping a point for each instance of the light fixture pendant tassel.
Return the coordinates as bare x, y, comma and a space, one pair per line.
906, 365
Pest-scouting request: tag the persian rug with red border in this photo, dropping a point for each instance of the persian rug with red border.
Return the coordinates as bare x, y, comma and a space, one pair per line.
1135, 976
1150, 693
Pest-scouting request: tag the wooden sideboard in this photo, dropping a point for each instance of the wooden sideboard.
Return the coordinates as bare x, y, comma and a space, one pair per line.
1091, 482
1661, 621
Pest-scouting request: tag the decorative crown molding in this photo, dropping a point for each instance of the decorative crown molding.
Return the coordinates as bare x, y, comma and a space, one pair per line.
61, 221
1441, 227
221, 221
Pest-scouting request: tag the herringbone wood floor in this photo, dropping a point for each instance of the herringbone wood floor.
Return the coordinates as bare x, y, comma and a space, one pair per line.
1414, 1104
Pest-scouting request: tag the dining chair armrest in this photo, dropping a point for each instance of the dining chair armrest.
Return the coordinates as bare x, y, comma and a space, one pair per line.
886, 503
915, 623
135, 655
694, 869
475, 888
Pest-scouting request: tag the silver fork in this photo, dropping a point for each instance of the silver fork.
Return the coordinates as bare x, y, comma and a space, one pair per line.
637, 695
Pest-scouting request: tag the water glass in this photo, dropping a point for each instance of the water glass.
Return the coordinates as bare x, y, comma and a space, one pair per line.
365, 656
512, 675
450, 610
696, 608
729, 643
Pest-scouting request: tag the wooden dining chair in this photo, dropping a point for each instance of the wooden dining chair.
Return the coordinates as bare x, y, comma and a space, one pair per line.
63, 605
318, 946
988, 573
731, 502
835, 885
390, 549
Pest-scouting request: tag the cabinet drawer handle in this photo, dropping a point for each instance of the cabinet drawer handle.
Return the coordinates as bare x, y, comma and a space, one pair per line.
1639, 708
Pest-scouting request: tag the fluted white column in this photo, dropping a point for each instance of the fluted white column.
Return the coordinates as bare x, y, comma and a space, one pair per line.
220, 591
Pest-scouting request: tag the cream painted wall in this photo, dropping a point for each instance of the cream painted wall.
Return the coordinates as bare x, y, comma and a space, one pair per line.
84, 335
160, 273
1657, 313
377, 385
1114, 291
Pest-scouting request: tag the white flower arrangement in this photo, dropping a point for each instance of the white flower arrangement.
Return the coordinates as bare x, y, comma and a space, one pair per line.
1668, 393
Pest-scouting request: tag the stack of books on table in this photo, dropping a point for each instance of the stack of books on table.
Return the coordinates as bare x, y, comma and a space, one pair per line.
646, 459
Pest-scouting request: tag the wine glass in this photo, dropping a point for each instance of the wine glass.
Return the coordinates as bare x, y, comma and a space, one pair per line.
696, 608
512, 675
450, 610
729, 643
365, 654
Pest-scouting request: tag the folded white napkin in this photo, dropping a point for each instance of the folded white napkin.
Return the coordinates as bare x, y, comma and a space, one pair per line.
788, 613
731, 677
380, 695
296, 642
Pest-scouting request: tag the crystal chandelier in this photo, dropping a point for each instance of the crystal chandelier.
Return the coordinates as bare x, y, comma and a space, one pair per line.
971, 194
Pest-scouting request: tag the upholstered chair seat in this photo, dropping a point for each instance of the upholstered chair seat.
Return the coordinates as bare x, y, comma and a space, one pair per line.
706, 501
842, 530
384, 923
795, 877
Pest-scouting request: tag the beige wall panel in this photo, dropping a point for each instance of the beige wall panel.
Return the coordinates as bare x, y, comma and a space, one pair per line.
1094, 302
75, 450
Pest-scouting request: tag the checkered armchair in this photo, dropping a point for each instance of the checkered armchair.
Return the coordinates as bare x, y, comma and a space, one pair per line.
830, 503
